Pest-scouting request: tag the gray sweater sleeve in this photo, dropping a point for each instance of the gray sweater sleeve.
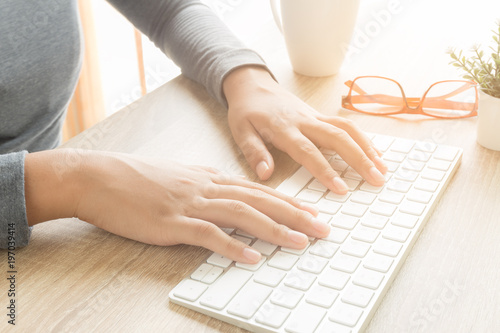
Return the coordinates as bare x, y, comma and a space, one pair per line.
193, 37
12, 205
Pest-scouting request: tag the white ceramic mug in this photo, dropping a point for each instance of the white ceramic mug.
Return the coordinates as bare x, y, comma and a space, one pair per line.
488, 122
317, 33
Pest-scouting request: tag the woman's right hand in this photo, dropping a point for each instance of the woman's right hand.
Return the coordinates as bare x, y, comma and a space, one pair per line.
164, 203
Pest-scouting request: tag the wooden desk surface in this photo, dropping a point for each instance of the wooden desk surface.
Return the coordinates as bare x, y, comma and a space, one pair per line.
74, 277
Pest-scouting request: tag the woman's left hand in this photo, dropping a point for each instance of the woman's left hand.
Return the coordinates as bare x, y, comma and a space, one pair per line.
261, 111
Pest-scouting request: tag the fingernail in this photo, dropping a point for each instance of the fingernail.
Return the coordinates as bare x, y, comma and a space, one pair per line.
322, 227
297, 237
376, 175
340, 185
261, 169
380, 162
251, 254
309, 208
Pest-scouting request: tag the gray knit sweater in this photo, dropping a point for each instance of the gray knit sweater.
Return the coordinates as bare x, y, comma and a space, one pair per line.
40, 59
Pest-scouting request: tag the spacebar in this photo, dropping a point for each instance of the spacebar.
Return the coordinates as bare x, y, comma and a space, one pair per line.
295, 183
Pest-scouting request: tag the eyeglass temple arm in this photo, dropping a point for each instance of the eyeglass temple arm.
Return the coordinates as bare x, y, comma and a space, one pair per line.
433, 102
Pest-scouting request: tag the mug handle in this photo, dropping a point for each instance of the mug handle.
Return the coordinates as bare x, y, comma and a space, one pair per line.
276, 15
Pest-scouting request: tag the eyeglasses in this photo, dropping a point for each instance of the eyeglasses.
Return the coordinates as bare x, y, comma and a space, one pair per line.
383, 96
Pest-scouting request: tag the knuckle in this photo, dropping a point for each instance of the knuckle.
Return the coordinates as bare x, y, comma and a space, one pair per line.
277, 231
205, 231
232, 245
256, 194
238, 208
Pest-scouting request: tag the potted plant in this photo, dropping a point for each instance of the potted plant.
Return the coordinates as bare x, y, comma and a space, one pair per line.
485, 71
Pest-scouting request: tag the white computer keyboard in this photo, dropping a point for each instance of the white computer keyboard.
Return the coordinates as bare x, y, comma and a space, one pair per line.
336, 283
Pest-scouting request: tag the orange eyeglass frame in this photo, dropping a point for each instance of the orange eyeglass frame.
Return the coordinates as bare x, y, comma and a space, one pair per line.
412, 105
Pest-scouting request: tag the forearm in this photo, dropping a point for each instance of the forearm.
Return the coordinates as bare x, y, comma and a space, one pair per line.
193, 36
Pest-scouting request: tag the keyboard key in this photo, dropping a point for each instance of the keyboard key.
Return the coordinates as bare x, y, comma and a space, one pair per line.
352, 174
377, 262
370, 188
392, 166
411, 207
325, 218
283, 260
355, 248
299, 279
322, 296
311, 263
189, 290
272, 315
311, 196
406, 175
365, 198
351, 183
338, 197
394, 156
252, 267
365, 234
269, 276
294, 251
223, 290
391, 197
358, 296
404, 220
374, 221
426, 185
333, 279
344, 263
413, 165
354, 209
344, 221
219, 260
345, 314
368, 278
387, 247
244, 234
328, 206
419, 196
201, 271
402, 145
264, 247
399, 186
212, 275
338, 165
337, 235
295, 183
382, 142
305, 319
397, 234
446, 153
433, 174
242, 239
317, 186
439, 164
382, 208
419, 155
286, 297
324, 249
246, 303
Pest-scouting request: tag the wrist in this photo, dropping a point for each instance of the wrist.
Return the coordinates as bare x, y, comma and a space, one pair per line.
53, 184
244, 79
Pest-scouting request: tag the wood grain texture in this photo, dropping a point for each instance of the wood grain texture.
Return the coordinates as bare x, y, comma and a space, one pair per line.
74, 277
